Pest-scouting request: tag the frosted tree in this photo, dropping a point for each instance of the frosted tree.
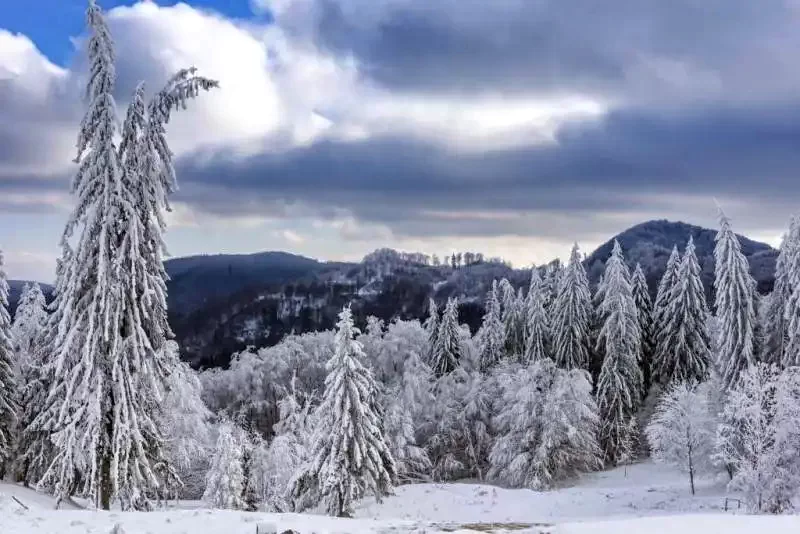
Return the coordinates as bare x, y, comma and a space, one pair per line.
28, 332
547, 427
735, 305
460, 441
288, 451
537, 328
8, 387
447, 350
644, 309
492, 334
350, 456
619, 386
776, 320
682, 431
791, 356
683, 341
513, 316
188, 443
661, 304
432, 327
29, 323
571, 315
106, 365
225, 480
550, 281
758, 437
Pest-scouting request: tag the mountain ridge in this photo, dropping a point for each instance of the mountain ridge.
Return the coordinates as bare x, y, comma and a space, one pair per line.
221, 303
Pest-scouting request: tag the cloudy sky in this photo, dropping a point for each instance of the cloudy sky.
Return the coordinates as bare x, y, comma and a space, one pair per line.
513, 127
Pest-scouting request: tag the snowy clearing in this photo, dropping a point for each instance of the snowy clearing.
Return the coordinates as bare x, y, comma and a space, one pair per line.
613, 501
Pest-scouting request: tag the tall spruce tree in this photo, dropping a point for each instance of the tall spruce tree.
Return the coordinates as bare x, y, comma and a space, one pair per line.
735, 305
432, 327
572, 311
8, 386
447, 351
661, 304
492, 334
350, 456
619, 387
644, 309
791, 313
28, 330
105, 364
776, 322
683, 341
537, 328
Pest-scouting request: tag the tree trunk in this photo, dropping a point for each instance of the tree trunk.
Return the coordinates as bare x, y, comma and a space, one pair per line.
105, 485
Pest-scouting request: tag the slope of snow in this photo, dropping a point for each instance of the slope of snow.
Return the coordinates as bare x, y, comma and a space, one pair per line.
640, 498
638, 490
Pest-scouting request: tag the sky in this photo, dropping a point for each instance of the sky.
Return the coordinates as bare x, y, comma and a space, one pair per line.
511, 127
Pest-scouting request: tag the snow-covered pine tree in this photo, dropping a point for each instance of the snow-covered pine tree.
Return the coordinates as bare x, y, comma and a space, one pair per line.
537, 328
27, 330
660, 305
776, 324
619, 387
8, 386
492, 334
550, 280
447, 351
682, 430
735, 305
30, 320
432, 327
350, 456
644, 309
791, 356
512, 318
106, 365
572, 310
547, 427
225, 482
683, 342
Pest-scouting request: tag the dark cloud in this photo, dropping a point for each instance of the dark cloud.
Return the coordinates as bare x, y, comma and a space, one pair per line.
631, 162
631, 47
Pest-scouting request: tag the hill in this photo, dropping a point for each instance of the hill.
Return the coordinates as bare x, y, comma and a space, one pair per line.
220, 304
650, 244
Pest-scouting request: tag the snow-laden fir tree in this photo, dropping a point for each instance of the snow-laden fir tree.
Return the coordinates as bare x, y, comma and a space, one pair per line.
619, 387
28, 332
350, 457
512, 317
571, 315
225, 482
682, 430
550, 280
492, 334
683, 352
661, 304
547, 427
447, 350
8, 386
776, 323
432, 327
791, 312
30, 320
758, 437
644, 309
105, 363
537, 328
735, 292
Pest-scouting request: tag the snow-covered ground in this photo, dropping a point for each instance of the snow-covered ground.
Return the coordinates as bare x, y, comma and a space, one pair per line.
644, 498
